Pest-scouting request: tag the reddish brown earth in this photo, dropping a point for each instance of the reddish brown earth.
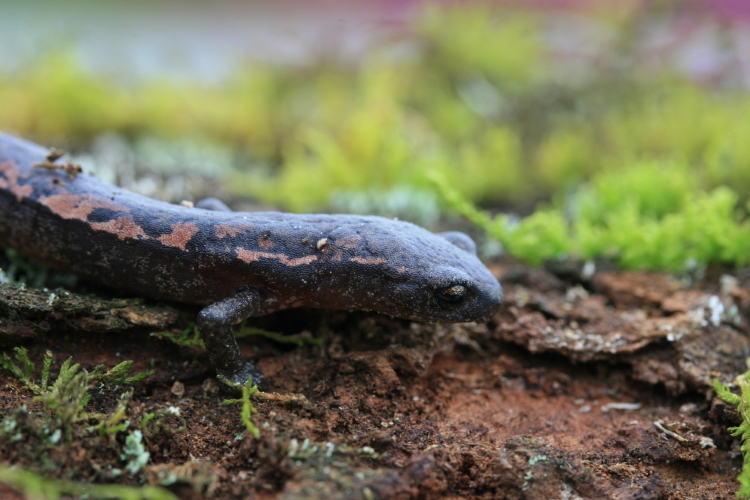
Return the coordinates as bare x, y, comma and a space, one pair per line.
581, 387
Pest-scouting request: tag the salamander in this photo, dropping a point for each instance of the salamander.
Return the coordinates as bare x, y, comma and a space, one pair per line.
234, 264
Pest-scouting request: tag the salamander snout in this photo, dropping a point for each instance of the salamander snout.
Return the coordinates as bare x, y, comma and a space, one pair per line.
490, 297
471, 292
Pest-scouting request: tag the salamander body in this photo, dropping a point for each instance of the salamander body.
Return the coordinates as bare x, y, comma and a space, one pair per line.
236, 264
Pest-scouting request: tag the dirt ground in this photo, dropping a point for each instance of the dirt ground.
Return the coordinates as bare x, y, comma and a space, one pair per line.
589, 383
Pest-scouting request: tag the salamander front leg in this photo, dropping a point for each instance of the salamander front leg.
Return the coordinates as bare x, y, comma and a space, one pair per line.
215, 324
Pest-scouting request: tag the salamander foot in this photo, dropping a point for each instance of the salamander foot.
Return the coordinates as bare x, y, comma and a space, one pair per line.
238, 379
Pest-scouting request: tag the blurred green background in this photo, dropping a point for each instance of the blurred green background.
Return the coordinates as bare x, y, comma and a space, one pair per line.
617, 130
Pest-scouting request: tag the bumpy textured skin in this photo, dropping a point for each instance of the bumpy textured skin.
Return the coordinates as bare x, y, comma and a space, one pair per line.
76, 223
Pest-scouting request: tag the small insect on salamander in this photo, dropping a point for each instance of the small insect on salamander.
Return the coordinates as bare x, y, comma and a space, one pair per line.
236, 264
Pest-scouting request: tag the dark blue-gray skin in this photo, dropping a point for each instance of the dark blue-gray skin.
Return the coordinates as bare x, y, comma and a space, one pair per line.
236, 264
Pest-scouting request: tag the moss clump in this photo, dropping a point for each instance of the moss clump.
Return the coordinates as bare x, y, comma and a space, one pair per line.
59, 432
190, 336
248, 390
36, 486
742, 402
624, 215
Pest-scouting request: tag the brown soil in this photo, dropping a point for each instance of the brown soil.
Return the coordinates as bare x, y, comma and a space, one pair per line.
581, 387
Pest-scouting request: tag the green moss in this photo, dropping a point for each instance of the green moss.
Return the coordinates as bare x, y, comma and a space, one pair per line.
653, 188
190, 337
37, 486
248, 390
23, 368
743, 430
504, 46
62, 424
298, 340
565, 157
69, 394
628, 219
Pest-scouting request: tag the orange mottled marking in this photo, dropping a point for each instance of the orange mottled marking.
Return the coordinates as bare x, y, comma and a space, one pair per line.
336, 248
79, 206
349, 242
266, 243
122, 227
181, 234
299, 261
224, 230
368, 260
11, 181
249, 256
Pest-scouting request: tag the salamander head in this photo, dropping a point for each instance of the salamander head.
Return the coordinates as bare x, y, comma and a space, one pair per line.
446, 294
430, 277
467, 291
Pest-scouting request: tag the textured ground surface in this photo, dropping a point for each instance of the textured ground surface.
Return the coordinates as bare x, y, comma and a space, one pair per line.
583, 386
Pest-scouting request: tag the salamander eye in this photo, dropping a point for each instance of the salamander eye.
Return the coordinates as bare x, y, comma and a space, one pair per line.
452, 295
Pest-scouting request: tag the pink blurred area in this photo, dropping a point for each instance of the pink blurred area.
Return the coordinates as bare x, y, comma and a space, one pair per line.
206, 40
733, 10
727, 10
